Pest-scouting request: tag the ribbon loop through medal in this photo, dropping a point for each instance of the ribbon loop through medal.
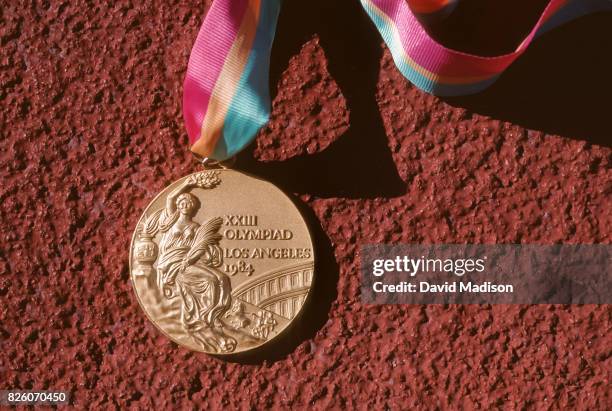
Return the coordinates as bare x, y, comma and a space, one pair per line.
226, 92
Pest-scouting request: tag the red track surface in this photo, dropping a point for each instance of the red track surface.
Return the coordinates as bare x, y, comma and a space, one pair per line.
91, 130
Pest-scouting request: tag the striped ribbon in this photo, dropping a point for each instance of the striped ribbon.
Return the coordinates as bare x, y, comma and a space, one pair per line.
226, 95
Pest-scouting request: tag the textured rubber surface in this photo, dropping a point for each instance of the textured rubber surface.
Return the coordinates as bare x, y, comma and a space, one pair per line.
91, 130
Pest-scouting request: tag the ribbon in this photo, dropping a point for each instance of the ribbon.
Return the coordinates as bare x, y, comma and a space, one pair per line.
226, 95
429, 11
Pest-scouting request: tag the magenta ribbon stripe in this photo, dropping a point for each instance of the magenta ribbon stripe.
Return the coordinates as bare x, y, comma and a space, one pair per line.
208, 56
226, 98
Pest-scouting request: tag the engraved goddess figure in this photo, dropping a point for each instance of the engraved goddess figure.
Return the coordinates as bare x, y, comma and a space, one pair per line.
189, 255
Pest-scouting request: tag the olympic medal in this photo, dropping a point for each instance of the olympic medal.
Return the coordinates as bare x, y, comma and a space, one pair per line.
221, 262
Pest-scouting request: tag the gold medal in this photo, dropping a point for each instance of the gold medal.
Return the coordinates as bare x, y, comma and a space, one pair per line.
221, 262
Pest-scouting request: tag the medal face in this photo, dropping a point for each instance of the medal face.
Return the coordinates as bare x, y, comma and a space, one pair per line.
221, 262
